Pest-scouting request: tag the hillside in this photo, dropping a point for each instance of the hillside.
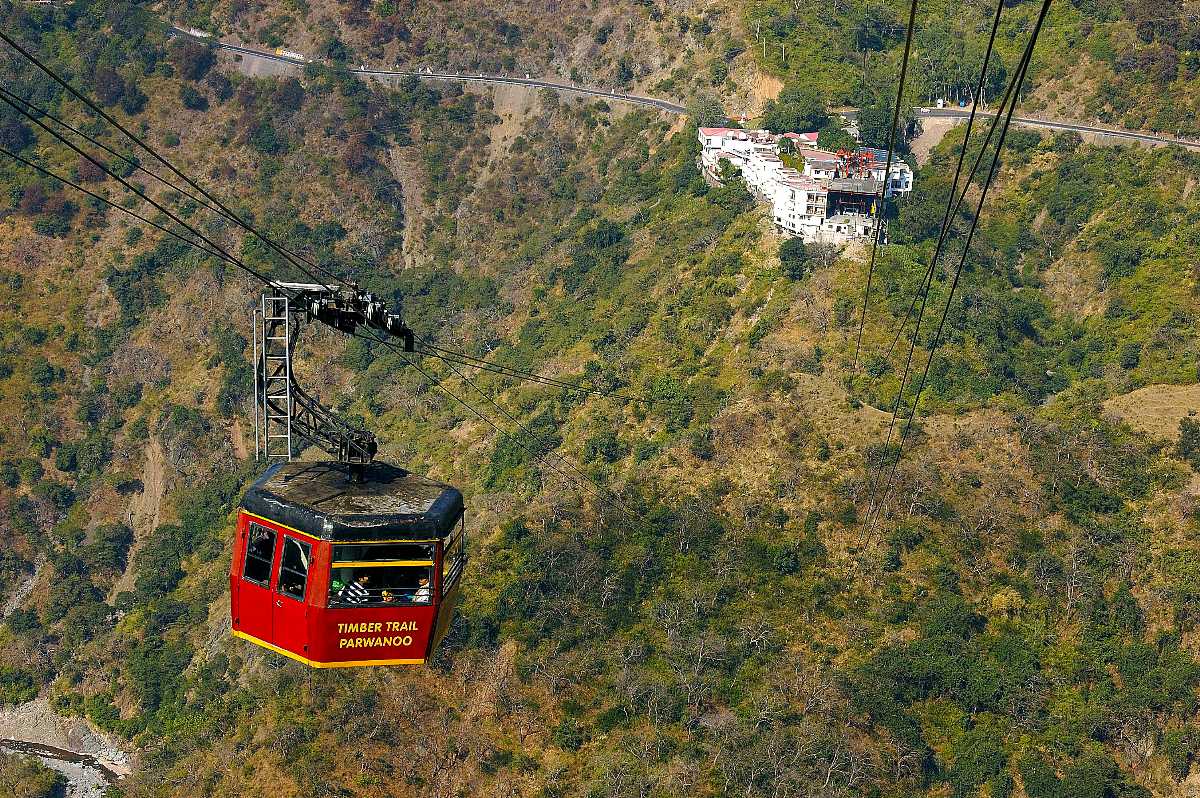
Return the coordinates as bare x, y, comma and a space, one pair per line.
719, 607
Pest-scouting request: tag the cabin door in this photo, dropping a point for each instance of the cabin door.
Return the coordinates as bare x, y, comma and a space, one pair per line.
254, 586
292, 587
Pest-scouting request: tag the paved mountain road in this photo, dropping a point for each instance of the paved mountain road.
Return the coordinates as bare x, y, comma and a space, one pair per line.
1028, 121
668, 105
383, 74
1049, 124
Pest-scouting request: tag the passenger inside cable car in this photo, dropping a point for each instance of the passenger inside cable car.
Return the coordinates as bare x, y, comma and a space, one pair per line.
336, 573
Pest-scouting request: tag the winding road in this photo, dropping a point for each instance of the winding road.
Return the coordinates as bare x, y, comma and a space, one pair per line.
1029, 121
383, 74
668, 105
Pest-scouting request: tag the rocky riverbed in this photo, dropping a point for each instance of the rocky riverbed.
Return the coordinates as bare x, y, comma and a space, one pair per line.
89, 759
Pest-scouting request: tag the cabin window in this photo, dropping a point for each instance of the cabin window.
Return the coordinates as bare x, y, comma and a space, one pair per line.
454, 559
381, 574
260, 554
293, 569
380, 586
382, 552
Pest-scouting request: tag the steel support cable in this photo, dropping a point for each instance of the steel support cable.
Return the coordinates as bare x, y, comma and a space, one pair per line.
214, 250
450, 356
114, 205
533, 435
1018, 80
214, 253
225, 256
131, 161
887, 175
436, 383
222, 253
108, 118
296, 259
133, 189
509, 371
313, 408
952, 204
927, 280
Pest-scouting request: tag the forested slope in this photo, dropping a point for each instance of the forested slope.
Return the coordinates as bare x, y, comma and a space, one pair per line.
718, 610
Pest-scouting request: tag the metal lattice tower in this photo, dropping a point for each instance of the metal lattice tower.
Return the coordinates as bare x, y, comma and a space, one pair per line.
273, 383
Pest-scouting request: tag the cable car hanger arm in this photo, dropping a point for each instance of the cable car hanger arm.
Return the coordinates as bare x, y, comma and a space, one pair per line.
294, 412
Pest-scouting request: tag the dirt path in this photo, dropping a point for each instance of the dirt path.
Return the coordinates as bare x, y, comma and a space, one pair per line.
401, 163
145, 511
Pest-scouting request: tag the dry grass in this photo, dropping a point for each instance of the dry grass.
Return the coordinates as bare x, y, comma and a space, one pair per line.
1156, 409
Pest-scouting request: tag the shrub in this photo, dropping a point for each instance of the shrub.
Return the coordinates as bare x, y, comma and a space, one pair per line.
158, 564
31, 470
191, 59
30, 778
109, 548
569, 734
58, 495
1188, 448
799, 109
134, 100
192, 99
23, 620
69, 590
15, 135
605, 446
9, 476
793, 257
107, 86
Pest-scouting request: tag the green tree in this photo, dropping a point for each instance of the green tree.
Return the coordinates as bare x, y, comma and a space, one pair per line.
832, 138
793, 257
706, 111
192, 99
799, 109
875, 125
191, 59
1188, 448
21, 777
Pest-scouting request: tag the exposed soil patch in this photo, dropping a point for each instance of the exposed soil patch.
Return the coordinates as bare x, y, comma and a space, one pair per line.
22, 591
401, 162
932, 132
239, 441
511, 104
145, 510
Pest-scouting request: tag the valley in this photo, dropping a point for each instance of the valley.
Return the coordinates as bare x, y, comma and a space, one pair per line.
706, 552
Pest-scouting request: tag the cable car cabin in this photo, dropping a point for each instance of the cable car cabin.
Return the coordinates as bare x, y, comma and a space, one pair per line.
335, 573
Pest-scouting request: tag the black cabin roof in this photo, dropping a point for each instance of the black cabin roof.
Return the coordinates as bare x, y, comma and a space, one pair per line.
318, 499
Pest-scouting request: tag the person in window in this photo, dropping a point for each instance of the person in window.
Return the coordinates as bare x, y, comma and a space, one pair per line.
262, 542
355, 592
423, 594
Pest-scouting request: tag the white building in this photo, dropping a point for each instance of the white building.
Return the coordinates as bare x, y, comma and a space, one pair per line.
833, 199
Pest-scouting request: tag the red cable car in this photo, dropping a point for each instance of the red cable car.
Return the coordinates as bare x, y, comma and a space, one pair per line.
337, 572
